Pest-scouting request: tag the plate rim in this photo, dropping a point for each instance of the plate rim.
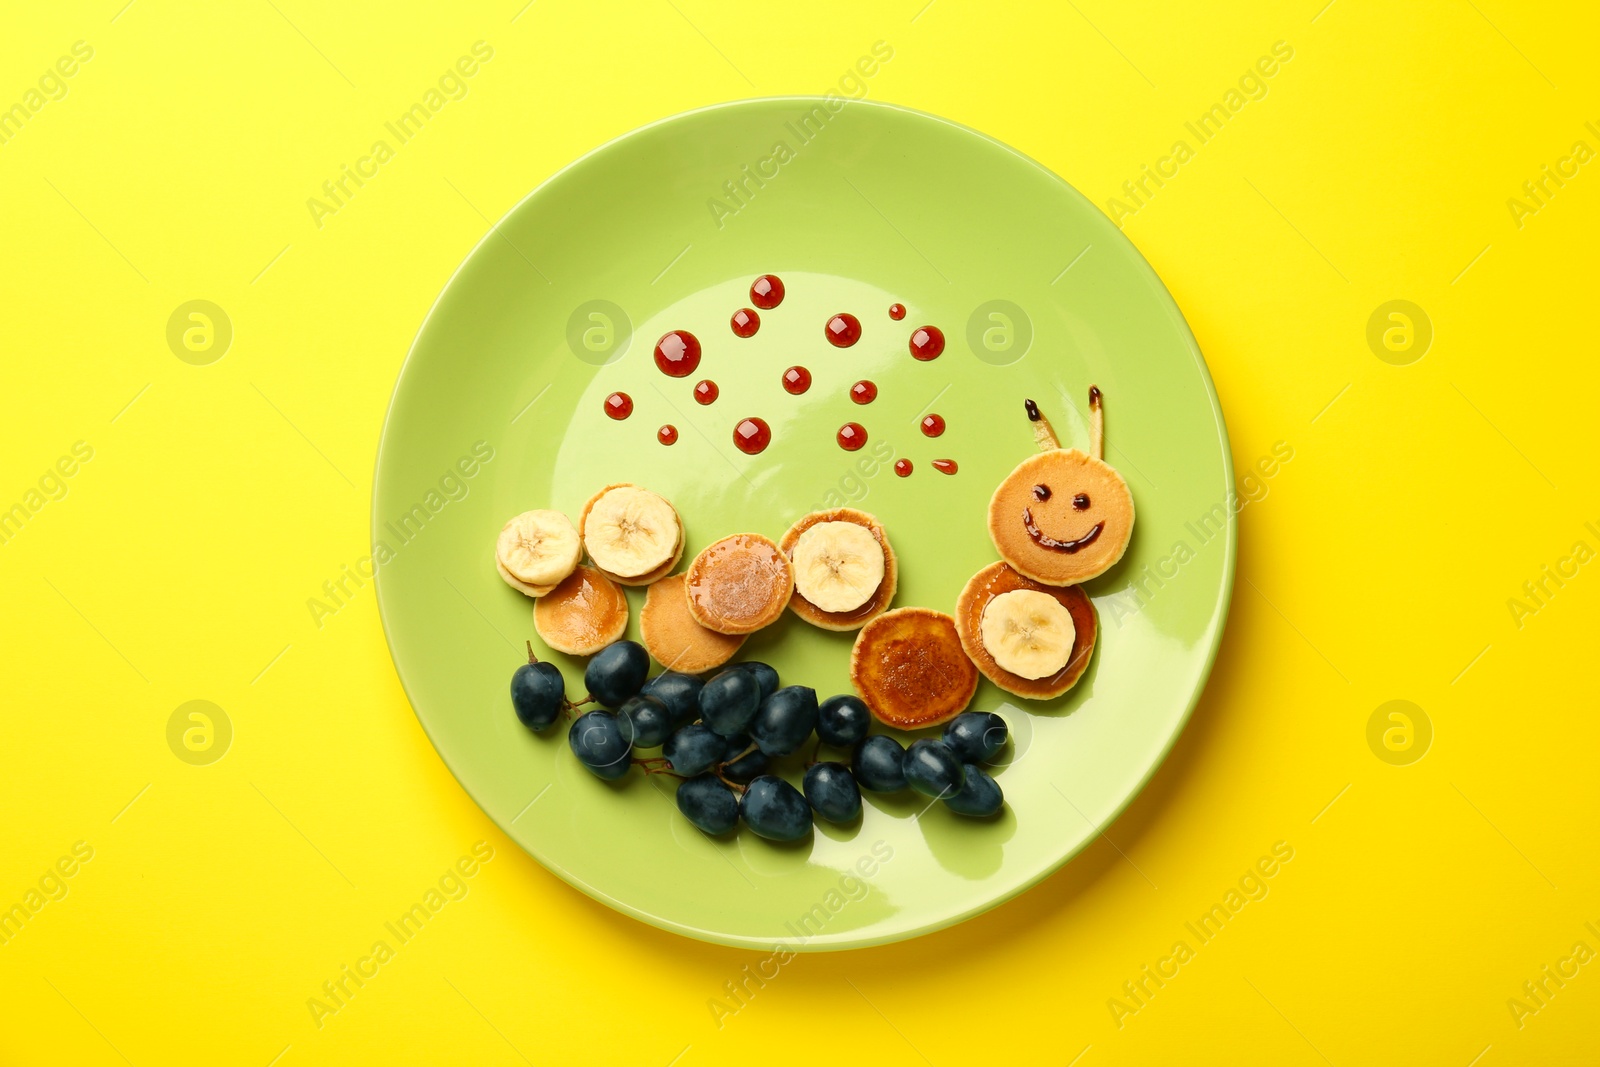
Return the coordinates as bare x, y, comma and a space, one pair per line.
844, 941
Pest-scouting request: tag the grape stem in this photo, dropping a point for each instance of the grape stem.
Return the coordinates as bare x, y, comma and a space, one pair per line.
658, 765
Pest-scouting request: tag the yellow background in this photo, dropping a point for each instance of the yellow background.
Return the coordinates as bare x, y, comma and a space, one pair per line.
1378, 566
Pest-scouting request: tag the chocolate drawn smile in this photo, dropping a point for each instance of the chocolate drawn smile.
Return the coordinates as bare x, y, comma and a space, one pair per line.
1044, 540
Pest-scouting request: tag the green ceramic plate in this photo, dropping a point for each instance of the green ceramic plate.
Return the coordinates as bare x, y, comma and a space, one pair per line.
499, 409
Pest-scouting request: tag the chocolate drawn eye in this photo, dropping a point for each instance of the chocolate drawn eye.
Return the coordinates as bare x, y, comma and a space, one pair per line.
1041, 493
1081, 502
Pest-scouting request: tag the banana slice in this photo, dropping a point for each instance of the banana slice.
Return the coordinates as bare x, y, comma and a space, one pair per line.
1029, 633
538, 548
535, 591
630, 531
838, 566
875, 604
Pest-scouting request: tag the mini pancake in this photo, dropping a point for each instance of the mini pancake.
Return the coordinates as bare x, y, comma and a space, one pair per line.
583, 614
877, 605
998, 578
518, 584
739, 584
1061, 517
910, 669
674, 638
644, 579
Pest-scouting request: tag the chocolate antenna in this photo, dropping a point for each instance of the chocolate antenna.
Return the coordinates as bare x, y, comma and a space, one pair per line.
1042, 432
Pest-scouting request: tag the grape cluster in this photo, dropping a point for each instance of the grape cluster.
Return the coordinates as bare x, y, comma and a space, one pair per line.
722, 735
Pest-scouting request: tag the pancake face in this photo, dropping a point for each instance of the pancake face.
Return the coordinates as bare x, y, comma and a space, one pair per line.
1061, 517
909, 667
673, 637
876, 604
997, 579
583, 614
739, 584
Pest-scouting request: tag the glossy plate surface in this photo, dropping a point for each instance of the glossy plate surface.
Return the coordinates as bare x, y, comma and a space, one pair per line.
500, 408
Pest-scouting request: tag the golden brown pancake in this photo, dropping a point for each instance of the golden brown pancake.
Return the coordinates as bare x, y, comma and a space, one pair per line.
998, 578
910, 669
1061, 517
583, 614
643, 579
674, 638
877, 605
739, 584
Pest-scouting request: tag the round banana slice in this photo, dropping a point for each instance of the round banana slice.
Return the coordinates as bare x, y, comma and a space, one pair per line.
842, 535
673, 637
650, 577
1028, 633
583, 614
997, 580
837, 565
538, 548
629, 531
739, 584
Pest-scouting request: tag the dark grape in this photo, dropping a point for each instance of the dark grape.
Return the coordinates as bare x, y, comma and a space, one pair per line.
645, 721
598, 742
679, 692
617, 672
764, 675
694, 749
831, 789
729, 701
979, 795
879, 764
932, 769
843, 720
708, 804
775, 809
785, 720
538, 693
975, 736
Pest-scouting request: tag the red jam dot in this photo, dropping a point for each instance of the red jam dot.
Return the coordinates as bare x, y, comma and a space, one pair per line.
705, 391
619, 405
902, 467
843, 330
668, 434
796, 380
746, 322
767, 292
932, 425
927, 342
678, 354
852, 436
863, 392
752, 435
898, 312
945, 466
